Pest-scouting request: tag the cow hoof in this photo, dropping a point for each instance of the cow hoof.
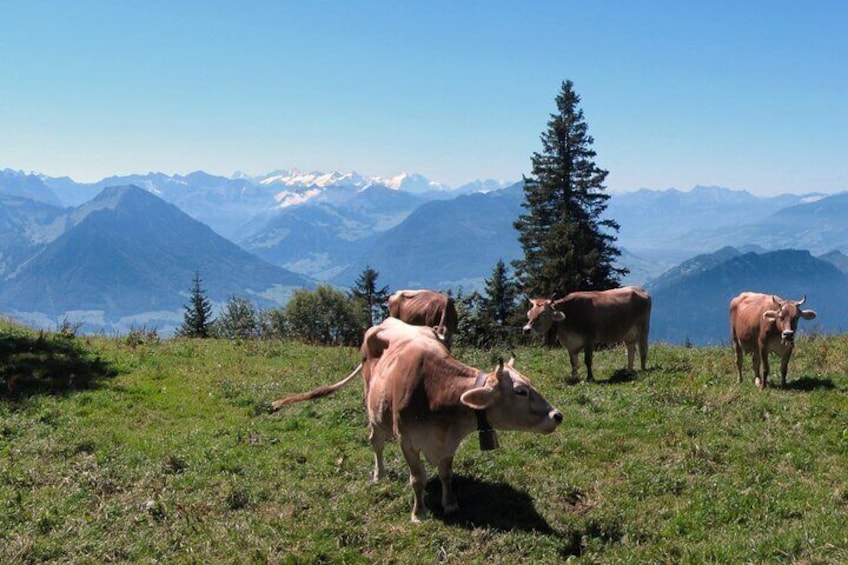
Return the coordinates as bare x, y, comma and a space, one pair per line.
419, 517
761, 384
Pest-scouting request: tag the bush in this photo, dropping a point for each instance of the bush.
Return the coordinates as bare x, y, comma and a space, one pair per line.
238, 320
325, 316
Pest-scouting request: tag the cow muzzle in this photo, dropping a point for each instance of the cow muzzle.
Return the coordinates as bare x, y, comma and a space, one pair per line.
553, 421
527, 330
788, 338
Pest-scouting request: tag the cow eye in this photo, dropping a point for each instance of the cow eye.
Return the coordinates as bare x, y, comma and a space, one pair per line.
521, 391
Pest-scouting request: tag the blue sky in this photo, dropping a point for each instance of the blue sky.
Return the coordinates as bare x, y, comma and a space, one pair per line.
744, 94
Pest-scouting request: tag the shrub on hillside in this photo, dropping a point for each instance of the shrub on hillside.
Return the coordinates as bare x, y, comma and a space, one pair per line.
238, 320
324, 316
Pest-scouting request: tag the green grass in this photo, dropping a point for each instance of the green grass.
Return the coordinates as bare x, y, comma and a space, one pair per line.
166, 452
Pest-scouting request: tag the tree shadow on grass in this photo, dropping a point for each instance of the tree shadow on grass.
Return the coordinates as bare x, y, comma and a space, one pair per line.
47, 363
499, 507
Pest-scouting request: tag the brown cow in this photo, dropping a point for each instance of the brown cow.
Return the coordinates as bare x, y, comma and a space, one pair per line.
765, 323
425, 308
587, 318
418, 393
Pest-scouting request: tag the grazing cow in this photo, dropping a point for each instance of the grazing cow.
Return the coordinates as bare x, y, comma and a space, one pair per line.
765, 323
416, 392
425, 308
587, 318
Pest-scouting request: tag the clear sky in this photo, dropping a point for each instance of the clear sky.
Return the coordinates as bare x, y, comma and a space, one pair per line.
743, 94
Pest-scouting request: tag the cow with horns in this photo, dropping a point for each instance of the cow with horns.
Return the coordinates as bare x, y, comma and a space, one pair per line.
584, 319
765, 323
416, 392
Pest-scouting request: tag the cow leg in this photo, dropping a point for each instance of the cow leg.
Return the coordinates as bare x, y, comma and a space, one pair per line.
764, 360
377, 437
756, 364
740, 358
631, 354
588, 349
574, 363
643, 349
449, 503
417, 479
784, 367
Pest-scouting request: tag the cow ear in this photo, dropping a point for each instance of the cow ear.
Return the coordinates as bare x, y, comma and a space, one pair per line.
558, 316
479, 398
807, 314
770, 315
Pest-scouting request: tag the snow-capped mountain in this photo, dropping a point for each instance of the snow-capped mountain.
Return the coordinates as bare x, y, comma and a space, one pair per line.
413, 182
293, 178
294, 187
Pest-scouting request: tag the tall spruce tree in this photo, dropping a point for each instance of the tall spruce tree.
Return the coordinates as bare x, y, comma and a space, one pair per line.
372, 297
197, 319
567, 244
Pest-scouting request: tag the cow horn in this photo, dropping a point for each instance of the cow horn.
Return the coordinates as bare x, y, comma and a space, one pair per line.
802, 300
777, 301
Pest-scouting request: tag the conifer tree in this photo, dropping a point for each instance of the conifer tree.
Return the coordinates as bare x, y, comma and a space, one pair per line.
197, 319
567, 245
501, 294
373, 298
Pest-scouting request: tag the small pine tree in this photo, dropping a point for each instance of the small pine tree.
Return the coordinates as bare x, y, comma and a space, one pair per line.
501, 296
197, 319
373, 298
567, 246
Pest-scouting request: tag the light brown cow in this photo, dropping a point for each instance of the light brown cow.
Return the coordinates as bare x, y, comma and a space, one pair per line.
418, 393
765, 323
425, 308
587, 318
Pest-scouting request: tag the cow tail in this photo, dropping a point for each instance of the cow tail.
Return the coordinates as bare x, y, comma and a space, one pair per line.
442, 323
444, 319
319, 392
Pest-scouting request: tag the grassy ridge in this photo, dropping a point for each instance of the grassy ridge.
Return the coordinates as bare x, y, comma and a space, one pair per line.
171, 456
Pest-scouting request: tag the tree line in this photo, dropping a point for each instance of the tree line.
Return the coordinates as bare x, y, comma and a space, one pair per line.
567, 241
330, 316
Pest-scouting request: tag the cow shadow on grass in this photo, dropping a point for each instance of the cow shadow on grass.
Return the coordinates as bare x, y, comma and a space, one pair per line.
47, 364
619, 377
496, 506
809, 384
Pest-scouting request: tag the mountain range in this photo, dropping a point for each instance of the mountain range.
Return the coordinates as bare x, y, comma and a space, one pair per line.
691, 302
124, 250
126, 258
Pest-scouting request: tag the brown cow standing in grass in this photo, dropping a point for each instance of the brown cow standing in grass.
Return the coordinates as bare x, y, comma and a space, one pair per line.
425, 308
416, 392
765, 323
587, 318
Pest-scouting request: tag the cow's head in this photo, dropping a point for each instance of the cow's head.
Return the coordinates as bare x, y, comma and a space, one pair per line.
786, 315
511, 402
541, 316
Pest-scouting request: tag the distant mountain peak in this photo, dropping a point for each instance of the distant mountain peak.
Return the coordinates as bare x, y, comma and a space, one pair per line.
295, 178
412, 182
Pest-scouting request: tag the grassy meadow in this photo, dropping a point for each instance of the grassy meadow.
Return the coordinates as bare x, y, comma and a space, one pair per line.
165, 452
